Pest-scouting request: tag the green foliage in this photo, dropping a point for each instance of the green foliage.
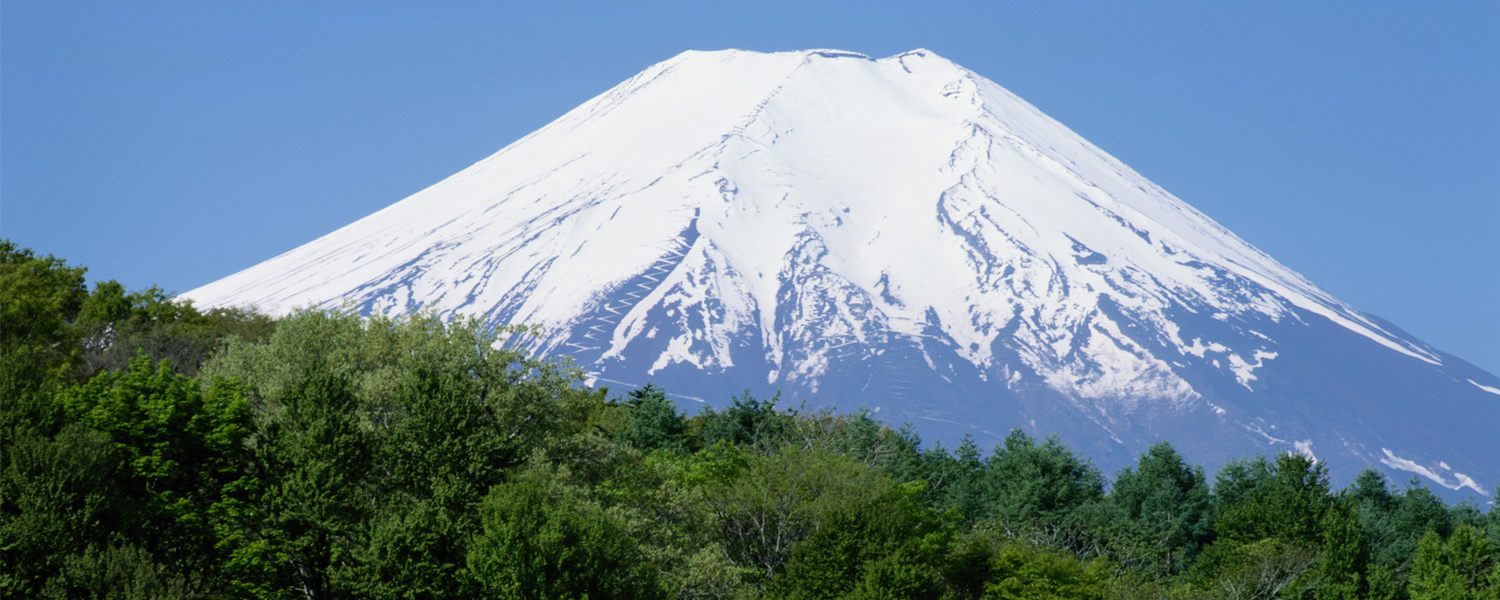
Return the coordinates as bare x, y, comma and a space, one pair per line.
316, 462
1393, 523
184, 451
1283, 532
959, 479
1459, 568
42, 297
1345, 553
887, 546
1164, 511
1239, 479
1027, 482
56, 494
542, 542
747, 421
778, 500
154, 451
953, 482
390, 363
39, 352
1022, 572
654, 421
1268, 568
1288, 505
116, 326
115, 572
398, 428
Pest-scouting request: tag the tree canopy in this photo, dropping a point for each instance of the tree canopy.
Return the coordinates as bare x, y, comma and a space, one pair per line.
152, 450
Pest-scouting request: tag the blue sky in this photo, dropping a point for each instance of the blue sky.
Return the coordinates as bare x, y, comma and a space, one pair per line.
174, 143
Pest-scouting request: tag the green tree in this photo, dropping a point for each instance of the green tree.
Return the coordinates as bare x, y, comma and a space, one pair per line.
1393, 522
746, 421
115, 326
1026, 482
40, 297
1459, 568
1238, 480
1284, 516
654, 421
1289, 505
1166, 510
1346, 557
1022, 572
57, 496
531, 403
316, 461
378, 438
1267, 569
434, 463
962, 479
115, 572
186, 455
889, 546
775, 501
541, 542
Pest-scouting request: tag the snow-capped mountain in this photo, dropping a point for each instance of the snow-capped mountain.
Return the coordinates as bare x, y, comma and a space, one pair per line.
905, 235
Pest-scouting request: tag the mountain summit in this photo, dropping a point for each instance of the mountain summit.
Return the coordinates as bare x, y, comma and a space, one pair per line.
904, 235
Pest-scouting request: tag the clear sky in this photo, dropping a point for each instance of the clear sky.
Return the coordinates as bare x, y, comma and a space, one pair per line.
174, 143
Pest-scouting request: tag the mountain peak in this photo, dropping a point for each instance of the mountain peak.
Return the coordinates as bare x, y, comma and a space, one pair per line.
898, 233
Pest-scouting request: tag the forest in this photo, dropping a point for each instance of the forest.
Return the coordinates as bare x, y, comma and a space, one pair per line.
155, 450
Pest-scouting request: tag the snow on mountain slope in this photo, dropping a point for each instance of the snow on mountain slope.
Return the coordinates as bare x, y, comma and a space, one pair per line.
821, 222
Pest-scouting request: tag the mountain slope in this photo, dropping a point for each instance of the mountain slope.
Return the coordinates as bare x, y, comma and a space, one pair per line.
906, 235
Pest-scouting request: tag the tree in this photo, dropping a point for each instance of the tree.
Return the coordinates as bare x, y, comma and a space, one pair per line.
1238, 480
1346, 556
1022, 572
654, 422
1166, 510
1393, 523
184, 449
39, 353
316, 462
378, 438
115, 326
776, 501
530, 402
42, 297
57, 496
1285, 511
962, 480
541, 542
1459, 568
746, 421
1267, 569
1025, 482
888, 546
123, 572
1288, 505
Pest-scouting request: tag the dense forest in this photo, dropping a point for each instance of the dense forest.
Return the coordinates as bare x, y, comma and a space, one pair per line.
153, 450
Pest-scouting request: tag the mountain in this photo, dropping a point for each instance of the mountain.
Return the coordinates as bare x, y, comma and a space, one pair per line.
904, 235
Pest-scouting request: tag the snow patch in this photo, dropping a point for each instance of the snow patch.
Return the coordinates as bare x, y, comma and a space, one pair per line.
1243, 371
1486, 388
1253, 428
1304, 448
1460, 480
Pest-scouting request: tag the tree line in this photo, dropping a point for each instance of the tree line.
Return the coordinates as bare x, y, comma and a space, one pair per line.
153, 450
